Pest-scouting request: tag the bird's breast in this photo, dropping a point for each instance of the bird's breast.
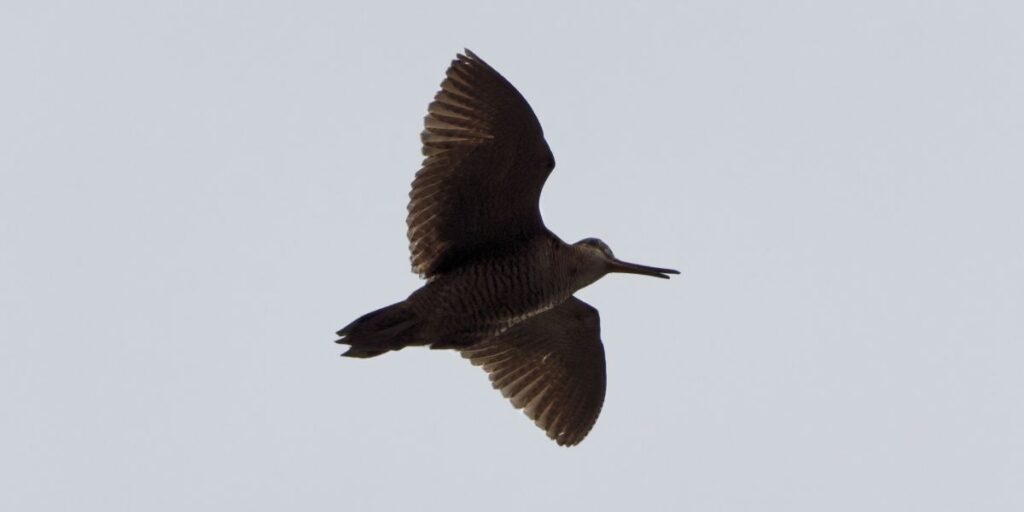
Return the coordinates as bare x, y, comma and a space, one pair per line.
486, 298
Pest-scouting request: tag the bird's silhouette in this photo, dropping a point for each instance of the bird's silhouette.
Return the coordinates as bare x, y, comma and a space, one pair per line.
499, 284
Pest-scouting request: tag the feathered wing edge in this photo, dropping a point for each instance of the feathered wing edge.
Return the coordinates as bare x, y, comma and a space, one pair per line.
475, 106
552, 367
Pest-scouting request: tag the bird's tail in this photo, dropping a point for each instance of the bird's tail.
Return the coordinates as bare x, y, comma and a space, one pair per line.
389, 328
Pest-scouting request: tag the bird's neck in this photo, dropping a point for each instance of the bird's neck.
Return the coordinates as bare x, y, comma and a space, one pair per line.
584, 269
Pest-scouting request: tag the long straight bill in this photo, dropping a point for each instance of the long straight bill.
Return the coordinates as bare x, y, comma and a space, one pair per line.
625, 267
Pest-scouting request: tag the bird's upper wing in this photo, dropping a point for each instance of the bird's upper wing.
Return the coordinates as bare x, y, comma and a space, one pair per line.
486, 162
552, 367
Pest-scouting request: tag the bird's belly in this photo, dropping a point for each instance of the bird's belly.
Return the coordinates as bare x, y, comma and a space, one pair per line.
480, 303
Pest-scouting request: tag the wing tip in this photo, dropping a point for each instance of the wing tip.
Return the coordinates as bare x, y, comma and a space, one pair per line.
468, 56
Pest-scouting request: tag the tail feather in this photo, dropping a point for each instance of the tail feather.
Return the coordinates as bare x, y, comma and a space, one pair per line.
389, 328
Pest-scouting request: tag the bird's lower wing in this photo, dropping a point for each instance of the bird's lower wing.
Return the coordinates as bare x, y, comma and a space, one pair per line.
551, 366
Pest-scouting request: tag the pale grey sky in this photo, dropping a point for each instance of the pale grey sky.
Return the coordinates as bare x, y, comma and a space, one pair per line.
195, 196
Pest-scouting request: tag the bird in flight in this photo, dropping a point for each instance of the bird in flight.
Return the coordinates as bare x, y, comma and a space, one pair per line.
499, 284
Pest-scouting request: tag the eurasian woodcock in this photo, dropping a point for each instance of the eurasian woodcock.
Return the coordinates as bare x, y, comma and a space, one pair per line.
499, 284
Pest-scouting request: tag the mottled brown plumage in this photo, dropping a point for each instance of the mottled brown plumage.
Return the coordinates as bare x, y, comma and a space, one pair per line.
551, 366
499, 283
478, 191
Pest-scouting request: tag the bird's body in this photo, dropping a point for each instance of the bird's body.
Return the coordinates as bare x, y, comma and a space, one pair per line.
500, 284
481, 300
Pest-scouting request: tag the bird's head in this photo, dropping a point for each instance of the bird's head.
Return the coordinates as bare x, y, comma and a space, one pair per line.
600, 261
